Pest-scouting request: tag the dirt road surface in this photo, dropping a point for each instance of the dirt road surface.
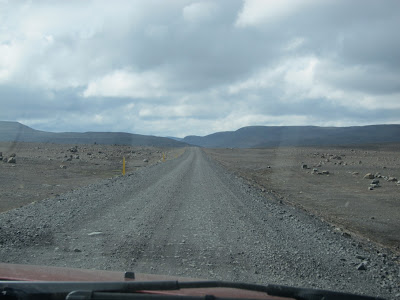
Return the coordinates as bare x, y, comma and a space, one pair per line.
191, 217
342, 196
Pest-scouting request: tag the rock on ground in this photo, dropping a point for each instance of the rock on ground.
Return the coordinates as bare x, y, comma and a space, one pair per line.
190, 217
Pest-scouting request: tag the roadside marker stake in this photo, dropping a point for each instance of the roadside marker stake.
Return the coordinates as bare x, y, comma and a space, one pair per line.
163, 156
123, 165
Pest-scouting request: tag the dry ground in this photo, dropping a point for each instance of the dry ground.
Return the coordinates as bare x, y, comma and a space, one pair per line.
342, 197
189, 217
47, 170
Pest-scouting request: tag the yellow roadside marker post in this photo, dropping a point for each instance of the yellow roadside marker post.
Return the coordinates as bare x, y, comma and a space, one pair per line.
123, 165
163, 156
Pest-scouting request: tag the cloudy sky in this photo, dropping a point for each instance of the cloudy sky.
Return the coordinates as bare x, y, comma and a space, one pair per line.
175, 68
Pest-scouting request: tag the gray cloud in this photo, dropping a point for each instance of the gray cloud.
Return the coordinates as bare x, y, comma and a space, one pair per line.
195, 67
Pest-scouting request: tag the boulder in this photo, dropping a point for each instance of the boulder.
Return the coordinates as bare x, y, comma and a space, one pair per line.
12, 160
369, 176
375, 181
325, 172
13, 155
145, 160
392, 179
362, 266
303, 166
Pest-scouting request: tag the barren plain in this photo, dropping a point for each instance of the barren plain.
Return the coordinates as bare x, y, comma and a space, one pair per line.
190, 217
295, 175
329, 182
44, 170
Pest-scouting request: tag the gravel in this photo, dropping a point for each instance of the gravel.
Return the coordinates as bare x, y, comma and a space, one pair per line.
190, 217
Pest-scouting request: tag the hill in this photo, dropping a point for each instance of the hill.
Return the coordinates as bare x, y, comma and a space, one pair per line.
14, 131
273, 136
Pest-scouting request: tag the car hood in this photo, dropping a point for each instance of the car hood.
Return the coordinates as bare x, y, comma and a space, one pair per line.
17, 272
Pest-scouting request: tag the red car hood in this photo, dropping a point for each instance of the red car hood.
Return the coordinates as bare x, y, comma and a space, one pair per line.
44, 273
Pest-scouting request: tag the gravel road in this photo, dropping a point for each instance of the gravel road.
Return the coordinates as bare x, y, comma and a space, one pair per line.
191, 217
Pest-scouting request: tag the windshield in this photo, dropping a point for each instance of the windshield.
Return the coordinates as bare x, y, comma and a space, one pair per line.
248, 141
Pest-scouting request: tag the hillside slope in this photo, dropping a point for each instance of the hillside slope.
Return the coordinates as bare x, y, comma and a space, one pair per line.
272, 136
14, 131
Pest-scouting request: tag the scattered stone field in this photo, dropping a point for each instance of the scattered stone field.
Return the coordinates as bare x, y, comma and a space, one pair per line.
356, 188
190, 217
32, 172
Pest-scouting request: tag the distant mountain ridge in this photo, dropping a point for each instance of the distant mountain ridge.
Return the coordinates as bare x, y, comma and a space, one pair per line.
14, 131
246, 137
273, 136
